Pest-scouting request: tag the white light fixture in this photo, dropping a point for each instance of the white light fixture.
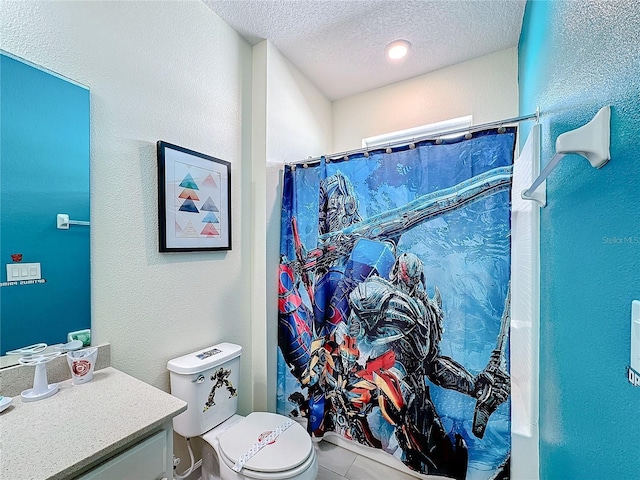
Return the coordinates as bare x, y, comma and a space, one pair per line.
397, 49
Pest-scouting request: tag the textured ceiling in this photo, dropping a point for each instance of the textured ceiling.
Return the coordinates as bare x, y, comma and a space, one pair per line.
339, 44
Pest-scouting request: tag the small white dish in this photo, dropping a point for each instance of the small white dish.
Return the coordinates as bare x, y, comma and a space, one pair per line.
5, 402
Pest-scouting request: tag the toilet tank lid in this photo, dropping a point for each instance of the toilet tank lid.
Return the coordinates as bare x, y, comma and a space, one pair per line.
204, 359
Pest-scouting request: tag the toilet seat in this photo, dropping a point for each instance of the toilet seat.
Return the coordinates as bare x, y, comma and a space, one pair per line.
301, 469
289, 455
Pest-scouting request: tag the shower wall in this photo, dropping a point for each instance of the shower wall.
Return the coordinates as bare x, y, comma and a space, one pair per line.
575, 57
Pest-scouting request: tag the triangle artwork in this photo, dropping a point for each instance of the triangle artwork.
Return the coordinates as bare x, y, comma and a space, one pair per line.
198, 197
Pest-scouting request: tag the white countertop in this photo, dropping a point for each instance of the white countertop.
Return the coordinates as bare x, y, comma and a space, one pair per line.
60, 435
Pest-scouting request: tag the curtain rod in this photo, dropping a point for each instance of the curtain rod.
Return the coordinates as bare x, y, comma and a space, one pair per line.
469, 129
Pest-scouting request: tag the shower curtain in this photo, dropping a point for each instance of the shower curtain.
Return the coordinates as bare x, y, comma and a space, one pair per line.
393, 317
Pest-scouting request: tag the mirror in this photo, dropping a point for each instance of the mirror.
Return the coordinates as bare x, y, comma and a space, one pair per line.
44, 171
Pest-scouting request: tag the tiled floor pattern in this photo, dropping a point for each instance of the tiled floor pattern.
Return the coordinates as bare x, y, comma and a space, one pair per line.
336, 463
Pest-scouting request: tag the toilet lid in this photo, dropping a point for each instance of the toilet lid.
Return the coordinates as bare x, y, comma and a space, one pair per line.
290, 449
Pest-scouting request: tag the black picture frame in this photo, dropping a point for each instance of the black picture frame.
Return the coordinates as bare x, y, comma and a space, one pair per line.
194, 200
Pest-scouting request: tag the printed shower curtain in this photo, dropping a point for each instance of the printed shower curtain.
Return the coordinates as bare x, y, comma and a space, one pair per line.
394, 302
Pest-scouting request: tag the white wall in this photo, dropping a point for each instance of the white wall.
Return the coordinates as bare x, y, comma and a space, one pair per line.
294, 120
486, 87
168, 71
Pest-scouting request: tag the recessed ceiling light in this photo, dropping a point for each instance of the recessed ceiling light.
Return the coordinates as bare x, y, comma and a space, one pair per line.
397, 49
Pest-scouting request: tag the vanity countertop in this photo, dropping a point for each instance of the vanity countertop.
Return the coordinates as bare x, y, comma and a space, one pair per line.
59, 436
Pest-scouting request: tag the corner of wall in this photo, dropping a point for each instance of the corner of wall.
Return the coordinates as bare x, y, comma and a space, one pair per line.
259, 365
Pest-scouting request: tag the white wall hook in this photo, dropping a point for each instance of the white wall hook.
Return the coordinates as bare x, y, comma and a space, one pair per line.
591, 141
63, 222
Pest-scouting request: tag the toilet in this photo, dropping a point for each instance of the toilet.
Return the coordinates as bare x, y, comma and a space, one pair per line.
262, 445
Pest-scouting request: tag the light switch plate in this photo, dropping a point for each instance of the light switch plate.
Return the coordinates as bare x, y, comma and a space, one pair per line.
23, 271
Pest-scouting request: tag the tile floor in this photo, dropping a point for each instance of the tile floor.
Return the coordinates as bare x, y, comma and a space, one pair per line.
336, 463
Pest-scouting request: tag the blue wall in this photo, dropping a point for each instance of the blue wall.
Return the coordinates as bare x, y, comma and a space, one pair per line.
44, 170
574, 57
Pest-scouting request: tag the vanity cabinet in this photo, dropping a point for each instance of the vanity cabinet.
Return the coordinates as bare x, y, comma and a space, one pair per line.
114, 427
150, 459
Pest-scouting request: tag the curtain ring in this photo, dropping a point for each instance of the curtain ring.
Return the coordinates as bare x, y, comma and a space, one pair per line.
346, 158
439, 141
412, 146
305, 165
293, 168
366, 154
501, 129
468, 136
388, 150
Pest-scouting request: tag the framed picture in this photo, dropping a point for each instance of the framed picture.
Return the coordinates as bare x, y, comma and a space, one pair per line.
194, 200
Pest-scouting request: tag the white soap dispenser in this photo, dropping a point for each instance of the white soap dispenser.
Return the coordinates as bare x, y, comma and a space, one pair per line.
635, 335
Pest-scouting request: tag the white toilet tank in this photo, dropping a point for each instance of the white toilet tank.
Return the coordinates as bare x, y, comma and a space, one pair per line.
207, 380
